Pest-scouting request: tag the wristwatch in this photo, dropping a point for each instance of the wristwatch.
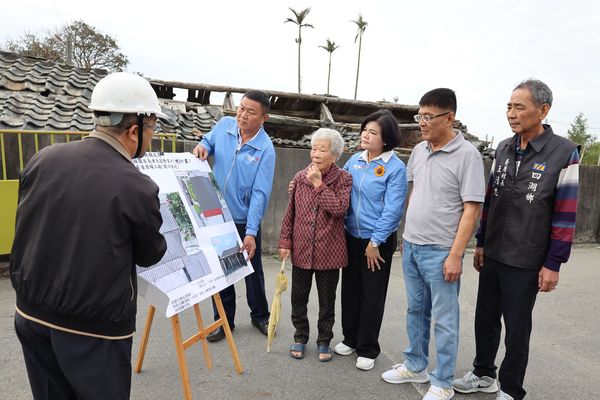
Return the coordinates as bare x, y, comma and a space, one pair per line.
373, 244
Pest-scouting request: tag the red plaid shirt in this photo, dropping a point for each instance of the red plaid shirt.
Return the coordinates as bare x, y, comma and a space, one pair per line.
313, 223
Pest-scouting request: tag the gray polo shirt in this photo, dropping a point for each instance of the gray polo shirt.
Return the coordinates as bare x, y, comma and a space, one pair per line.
442, 181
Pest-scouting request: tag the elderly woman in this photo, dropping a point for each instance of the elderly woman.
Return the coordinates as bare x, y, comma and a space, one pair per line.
376, 207
312, 230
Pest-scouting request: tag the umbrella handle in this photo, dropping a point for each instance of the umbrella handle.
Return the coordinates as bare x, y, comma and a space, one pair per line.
283, 264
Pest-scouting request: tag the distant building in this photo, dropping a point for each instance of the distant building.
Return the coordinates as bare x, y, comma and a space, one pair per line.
231, 260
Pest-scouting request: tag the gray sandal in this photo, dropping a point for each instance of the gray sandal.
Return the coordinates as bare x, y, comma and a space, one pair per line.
298, 348
325, 350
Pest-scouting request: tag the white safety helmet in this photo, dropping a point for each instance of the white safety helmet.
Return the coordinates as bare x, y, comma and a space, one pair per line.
123, 93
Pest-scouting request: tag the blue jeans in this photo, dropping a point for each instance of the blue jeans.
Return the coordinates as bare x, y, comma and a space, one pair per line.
429, 294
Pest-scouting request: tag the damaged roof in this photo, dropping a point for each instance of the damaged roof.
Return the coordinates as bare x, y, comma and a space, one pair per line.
37, 94
42, 95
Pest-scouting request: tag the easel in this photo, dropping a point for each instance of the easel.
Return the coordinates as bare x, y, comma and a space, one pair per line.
181, 346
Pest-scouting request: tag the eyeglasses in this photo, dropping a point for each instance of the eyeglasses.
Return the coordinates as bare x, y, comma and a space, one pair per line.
428, 118
153, 127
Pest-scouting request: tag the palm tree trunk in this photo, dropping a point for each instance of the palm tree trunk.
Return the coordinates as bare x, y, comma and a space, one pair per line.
358, 64
329, 73
299, 43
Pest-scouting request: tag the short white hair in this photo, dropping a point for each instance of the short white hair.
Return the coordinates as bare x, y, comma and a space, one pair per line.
335, 140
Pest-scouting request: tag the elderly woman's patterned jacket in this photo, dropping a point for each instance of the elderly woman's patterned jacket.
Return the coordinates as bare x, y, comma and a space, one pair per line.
313, 223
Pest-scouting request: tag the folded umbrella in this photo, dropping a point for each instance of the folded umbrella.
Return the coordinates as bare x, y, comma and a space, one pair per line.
281, 284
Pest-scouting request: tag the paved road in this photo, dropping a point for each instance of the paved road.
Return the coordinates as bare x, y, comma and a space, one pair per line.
564, 361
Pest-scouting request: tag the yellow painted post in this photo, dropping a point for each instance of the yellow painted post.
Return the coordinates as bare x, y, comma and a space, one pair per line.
8, 210
20, 144
3, 156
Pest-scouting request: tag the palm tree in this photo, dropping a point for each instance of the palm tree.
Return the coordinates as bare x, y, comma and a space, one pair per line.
299, 20
361, 25
330, 47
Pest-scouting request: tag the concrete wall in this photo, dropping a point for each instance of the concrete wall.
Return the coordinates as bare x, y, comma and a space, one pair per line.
290, 161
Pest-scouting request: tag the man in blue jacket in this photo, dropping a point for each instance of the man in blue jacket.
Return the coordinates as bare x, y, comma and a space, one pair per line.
244, 163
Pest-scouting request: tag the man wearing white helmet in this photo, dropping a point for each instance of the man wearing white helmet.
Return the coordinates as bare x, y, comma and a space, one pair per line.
86, 216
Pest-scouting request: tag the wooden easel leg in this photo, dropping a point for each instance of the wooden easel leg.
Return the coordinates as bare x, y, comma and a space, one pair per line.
144, 340
207, 358
183, 371
228, 334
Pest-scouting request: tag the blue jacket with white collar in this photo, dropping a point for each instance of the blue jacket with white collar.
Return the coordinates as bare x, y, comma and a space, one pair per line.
377, 198
245, 176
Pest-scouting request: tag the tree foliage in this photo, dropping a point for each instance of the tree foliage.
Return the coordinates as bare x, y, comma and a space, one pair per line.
330, 46
181, 216
592, 155
578, 133
89, 47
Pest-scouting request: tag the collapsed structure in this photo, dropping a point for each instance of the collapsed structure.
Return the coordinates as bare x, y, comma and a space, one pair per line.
37, 94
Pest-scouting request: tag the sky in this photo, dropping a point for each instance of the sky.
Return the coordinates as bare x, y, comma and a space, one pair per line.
480, 49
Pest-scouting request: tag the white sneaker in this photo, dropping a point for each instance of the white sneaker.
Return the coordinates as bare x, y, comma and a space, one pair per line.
438, 393
503, 396
365, 363
342, 349
471, 383
400, 374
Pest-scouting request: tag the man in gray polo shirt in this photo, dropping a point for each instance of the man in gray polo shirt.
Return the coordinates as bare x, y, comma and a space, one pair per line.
448, 189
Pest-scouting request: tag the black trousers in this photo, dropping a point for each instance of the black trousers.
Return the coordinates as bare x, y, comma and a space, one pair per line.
255, 288
504, 292
327, 281
62, 365
363, 295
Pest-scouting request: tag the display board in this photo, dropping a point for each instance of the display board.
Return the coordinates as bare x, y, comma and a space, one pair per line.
203, 246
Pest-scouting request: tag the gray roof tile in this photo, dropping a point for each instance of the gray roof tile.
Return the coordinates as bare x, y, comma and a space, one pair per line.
43, 95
